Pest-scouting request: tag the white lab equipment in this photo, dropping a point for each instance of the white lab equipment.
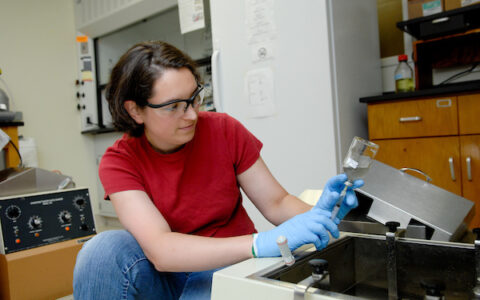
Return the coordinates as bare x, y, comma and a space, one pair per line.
293, 75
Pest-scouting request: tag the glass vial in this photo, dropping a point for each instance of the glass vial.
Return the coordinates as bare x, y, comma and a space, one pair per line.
403, 76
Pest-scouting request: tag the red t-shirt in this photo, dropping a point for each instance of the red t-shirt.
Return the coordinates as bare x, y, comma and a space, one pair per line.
195, 188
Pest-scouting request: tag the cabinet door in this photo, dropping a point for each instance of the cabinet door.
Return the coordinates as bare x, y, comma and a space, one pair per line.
470, 157
439, 158
468, 114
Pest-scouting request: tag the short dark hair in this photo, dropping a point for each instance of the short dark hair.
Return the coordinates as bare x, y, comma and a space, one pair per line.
134, 75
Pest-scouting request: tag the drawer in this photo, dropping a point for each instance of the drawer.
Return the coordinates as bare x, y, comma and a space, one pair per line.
413, 118
469, 113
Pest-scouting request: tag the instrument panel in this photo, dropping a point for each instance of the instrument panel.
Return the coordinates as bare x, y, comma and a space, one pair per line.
33, 220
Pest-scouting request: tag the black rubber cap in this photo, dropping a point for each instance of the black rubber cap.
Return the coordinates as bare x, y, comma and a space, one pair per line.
319, 266
392, 226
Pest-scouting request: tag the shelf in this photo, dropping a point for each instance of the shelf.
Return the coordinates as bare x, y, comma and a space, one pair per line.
11, 123
444, 23
454, 88
99, 130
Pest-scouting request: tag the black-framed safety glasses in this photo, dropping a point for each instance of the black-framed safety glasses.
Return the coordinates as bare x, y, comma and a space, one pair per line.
181, 105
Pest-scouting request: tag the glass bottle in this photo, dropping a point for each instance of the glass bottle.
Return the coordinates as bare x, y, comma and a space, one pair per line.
403, 76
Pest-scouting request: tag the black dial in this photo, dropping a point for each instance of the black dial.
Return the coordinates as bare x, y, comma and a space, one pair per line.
65, 216
13, 212
79, 203
35, 222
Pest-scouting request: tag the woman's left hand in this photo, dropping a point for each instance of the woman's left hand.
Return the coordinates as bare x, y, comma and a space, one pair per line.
331, 194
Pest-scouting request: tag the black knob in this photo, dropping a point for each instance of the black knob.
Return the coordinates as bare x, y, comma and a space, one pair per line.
35, 222
13, 212
84, 227
66, 217
319, 266
433, 287
78, 94
476, 231
392, 226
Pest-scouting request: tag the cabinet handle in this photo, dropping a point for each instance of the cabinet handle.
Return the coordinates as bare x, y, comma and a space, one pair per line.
469, 168
441, 20
452, 168
410, 119
427, 178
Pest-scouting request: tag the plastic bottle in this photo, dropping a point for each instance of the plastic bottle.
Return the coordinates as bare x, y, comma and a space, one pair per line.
403, 76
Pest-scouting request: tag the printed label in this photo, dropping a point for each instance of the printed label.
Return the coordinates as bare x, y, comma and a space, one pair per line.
432, 7
444, 103
350, 163
468, 2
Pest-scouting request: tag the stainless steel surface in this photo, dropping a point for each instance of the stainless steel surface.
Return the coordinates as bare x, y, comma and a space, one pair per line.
391, 266
427, 178
397, 196
31, 180
476, 290
412, 231
2, 159
358, 268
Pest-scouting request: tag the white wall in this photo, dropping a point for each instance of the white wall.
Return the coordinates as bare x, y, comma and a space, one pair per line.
38, 59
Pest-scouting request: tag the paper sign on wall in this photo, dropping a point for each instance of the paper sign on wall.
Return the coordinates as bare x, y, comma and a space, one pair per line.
260, 21
259, 86
191, 14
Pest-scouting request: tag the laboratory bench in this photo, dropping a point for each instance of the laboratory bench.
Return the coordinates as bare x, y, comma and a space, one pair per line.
435, 131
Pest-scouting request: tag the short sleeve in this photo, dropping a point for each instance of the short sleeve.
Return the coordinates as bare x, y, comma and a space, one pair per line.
243, 146
118, 173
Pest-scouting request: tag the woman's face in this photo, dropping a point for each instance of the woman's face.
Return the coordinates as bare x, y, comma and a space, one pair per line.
165, 130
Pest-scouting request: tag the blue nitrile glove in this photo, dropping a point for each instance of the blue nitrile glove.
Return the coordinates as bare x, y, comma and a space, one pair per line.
307, 228
331, 194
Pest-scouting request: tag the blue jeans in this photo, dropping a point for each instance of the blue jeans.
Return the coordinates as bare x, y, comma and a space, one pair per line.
113, 266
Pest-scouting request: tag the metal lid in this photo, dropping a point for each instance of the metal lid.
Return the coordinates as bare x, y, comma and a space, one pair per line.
398, 196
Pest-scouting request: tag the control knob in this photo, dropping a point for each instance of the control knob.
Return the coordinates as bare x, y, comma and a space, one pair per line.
65, 216
35, 222
13, 212
80, 203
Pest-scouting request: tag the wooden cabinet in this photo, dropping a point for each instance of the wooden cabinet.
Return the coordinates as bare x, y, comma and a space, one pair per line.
469, 114
470, 161
439, 136
439, 158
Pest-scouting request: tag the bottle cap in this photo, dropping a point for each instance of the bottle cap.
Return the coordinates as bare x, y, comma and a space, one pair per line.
402, 57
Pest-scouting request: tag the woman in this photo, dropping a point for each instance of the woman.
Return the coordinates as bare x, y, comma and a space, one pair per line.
174, 180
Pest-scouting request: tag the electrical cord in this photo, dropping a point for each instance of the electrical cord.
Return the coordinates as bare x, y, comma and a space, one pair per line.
18, 152
461, 74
